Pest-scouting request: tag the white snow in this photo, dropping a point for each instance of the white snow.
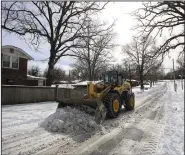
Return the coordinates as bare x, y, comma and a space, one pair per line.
130, 79
69, 86
24, 117
172, 140
84, 83
35, 77
76, 81
71, 120
22, 125
147, 89
64, 82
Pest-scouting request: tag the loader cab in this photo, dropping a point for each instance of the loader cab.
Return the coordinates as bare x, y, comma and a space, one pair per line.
113, 77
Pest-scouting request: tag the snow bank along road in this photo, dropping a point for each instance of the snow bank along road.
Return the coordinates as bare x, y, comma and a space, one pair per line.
156, 126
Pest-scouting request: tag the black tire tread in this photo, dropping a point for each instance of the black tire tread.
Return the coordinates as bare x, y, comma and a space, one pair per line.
128, 107
108, 103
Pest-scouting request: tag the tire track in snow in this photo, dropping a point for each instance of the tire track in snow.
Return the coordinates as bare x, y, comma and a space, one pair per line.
21, 136
33, 149
24, 143
152, 139
153, 130
33, 144
20, 123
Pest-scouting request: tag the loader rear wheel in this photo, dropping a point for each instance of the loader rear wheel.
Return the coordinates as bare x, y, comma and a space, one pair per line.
130, 102
113, 104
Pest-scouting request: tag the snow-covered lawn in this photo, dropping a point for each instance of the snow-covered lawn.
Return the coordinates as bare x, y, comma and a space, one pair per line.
69, 130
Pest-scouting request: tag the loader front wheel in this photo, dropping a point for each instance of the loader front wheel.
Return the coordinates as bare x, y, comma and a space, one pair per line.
130, 102
113, 105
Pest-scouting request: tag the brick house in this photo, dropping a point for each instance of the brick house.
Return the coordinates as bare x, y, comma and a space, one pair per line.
14, 67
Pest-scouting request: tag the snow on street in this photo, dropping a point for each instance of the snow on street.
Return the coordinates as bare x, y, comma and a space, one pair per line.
156, 126
24, 117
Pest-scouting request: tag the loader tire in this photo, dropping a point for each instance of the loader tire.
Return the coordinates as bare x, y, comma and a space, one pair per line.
130, 102
113, 104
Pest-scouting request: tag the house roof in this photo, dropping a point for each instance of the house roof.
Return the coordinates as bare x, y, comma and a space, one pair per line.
19, 49
63, 86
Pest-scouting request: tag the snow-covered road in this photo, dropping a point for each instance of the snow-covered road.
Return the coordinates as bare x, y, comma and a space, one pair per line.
156, 126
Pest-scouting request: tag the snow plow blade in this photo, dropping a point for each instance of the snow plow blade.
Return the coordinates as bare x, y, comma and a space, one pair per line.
100, 109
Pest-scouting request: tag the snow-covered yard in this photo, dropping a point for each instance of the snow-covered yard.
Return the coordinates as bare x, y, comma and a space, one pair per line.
172, 139
156, 126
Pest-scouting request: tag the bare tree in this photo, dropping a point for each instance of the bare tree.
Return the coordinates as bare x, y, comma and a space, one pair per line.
94, 53
141, 53
156, 17
34, 70
155, 73
121, 69
57, 23
80, 70
58, 74
75, 74
129, 69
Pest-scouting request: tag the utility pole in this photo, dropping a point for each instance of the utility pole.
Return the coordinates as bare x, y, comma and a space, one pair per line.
174, 75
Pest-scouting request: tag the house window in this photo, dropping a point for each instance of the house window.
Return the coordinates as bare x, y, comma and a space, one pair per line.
10, 62
6, 61
11, 50
15, 61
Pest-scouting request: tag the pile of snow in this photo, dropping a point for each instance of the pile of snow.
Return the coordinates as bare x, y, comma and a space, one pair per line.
71, 120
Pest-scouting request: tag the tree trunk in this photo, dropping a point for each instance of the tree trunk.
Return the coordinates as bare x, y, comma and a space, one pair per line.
150, 83
49, 76
93, 74
90, 76
141, 80
51, 64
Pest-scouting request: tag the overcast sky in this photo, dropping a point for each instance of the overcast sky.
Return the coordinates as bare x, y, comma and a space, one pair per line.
114, 10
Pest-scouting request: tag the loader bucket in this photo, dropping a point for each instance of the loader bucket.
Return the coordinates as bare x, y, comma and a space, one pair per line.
100, 109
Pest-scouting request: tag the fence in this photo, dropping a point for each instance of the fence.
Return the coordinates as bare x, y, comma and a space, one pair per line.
29, 94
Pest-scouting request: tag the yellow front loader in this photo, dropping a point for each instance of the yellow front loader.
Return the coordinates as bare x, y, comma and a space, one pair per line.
107, 97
